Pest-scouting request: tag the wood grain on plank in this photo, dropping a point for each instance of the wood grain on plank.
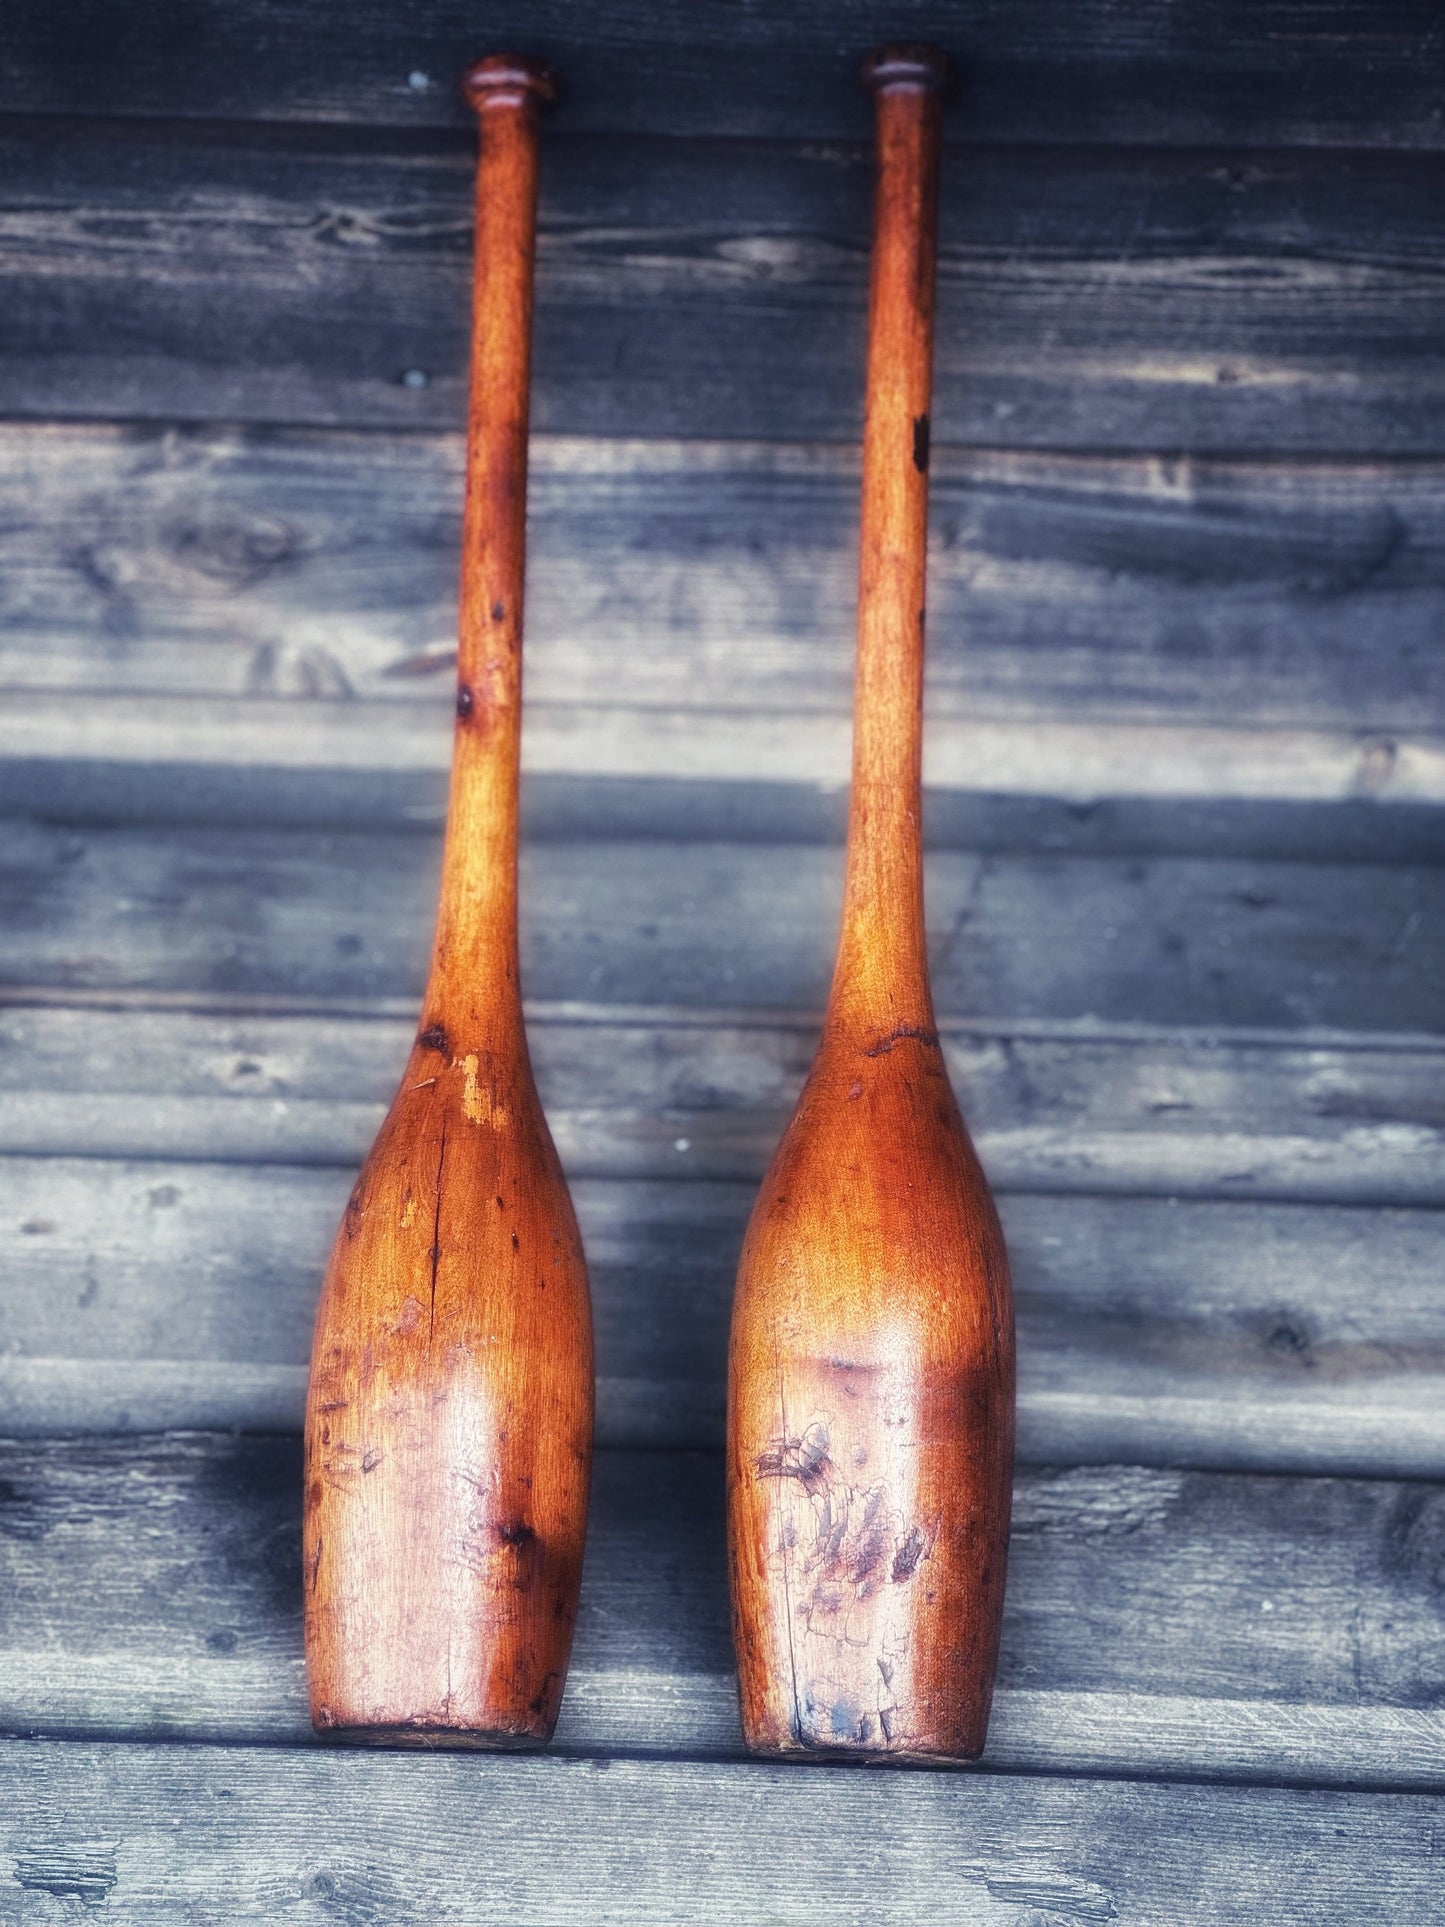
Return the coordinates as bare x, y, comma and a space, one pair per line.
1087, 299
1307, 71
337, 916
1321, 1597
1161, 1331
271, 1835
222, 564
659, 1094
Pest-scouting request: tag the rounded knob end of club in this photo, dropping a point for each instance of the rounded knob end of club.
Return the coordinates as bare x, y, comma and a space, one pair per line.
907, 66
508, 80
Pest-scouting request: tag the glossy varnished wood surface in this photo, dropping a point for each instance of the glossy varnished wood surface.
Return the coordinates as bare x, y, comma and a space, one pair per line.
870, 1413
449, 1415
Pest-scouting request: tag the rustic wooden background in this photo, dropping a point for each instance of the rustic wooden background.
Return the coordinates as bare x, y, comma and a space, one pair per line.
1187, 769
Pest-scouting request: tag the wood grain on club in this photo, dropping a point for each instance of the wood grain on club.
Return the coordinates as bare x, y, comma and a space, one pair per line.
449, 1417
870, 1428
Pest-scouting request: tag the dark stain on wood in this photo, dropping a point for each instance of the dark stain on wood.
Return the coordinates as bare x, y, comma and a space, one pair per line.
80, 1871
921, 1033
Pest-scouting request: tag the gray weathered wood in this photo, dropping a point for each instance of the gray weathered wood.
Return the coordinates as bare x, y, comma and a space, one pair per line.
1088, 299
343, 917
661, 1093
154, 1589
712, 579
155, 756
1248, 814
162, 590
143, 1295
1277, 70
215, 1835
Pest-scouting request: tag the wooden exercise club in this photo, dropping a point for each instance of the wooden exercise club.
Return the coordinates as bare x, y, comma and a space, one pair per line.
449, 1418
871, 1378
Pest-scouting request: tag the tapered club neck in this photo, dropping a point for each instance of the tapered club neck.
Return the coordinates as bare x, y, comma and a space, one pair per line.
475, 974
882, 971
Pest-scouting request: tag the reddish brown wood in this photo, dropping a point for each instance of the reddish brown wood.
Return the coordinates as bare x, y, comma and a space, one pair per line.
449, 1421
870, 1412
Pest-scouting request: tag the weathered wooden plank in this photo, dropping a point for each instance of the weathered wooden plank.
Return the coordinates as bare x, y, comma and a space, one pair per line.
141, 748
180, 1613
718, 579
347, 917
558, 808
661, 1093
1088, 299
141, 1295
1281, 70
224, 1834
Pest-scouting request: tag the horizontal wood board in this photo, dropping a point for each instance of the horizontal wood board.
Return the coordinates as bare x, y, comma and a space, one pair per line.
666, 1093
1250, 1335
1157, 1329
182, 1617
683, 576
1088, 299
752, 776
331, 917
221, 1834
1277, 70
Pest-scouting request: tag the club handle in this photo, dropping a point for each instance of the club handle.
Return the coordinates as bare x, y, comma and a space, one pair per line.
476, 942
882, 964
